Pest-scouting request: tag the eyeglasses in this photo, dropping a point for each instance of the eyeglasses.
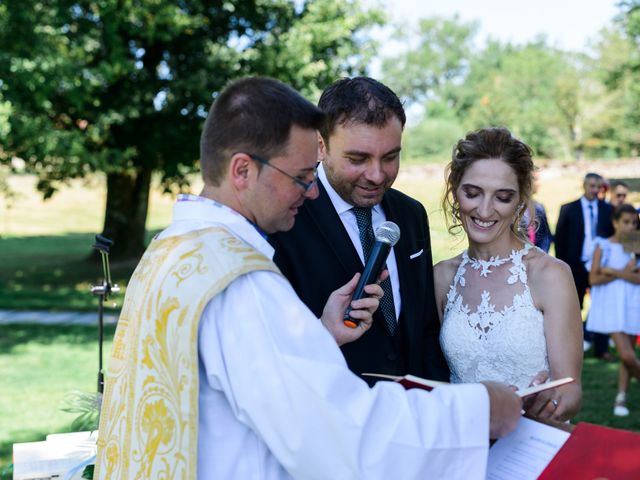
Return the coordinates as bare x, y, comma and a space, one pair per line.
306, 186
621, 195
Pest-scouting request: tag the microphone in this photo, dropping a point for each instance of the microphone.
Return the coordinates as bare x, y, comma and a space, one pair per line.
387, 235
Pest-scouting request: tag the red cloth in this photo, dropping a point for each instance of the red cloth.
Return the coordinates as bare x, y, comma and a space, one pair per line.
596, 452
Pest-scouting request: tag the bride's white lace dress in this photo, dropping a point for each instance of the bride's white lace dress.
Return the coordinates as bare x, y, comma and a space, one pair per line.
491, 329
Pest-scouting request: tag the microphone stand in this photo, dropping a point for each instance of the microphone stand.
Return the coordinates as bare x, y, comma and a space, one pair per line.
102, 291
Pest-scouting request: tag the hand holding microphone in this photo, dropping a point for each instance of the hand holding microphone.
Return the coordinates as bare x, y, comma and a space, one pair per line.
363, 310
386, 236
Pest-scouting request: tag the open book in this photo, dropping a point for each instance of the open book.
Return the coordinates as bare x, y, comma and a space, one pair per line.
61, 455
411, 381
542, 451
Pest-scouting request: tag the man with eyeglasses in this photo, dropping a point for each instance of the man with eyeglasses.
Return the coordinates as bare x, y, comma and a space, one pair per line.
304, 185
360, 144
219, 371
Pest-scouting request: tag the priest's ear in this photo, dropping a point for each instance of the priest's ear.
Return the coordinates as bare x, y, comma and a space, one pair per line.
241, 169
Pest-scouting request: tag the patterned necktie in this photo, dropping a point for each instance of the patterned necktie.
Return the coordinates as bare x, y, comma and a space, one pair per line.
592, 217
367, 239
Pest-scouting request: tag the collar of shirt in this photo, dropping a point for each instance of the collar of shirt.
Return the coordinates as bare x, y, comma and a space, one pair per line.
339, 204
193, 212
585, 203
348, 219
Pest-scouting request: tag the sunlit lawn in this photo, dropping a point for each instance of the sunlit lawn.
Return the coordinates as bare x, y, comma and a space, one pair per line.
39, 365
43, 265
45, 246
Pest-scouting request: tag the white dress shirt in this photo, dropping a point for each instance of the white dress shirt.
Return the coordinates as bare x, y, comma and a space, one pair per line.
589, 243
348, 219
277, 401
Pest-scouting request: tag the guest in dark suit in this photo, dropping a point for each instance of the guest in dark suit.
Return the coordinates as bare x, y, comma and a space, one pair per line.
360, 147
578, 224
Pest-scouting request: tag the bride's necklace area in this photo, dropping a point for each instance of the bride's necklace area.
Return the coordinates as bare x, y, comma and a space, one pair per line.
494, 261
485, 265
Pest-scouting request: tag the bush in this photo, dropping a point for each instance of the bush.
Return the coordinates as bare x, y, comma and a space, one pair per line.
433, 138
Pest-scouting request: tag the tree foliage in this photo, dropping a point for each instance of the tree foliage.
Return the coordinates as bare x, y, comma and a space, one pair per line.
564, 104
438, 57
609, 130
531, 89
122, 86
624, 77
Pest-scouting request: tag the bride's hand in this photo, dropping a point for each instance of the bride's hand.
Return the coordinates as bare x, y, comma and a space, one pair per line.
536, 403
561, 403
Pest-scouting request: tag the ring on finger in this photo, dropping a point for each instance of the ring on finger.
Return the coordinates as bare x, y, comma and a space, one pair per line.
555, 402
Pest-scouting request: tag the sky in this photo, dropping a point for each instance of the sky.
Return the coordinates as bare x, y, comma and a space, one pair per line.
568, 24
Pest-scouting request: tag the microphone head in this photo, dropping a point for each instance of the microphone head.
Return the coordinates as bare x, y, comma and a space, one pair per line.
388, 232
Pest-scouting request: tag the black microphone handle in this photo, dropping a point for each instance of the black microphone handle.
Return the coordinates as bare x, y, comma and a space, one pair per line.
372, 271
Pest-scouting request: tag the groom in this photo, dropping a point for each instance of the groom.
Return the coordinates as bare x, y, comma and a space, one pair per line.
360, 146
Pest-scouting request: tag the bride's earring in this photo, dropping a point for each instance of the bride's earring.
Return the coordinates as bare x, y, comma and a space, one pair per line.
519, 210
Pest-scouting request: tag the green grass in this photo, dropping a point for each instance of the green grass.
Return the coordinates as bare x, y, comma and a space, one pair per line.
43, 265
54, 272
600, 385
51, 272
39, 365
45, 245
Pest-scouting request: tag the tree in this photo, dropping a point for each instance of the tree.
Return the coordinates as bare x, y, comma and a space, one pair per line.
122, 86
631, 21
611, 116
438, 59
618, 58
607, 101
630, 18
532, 89
426, 74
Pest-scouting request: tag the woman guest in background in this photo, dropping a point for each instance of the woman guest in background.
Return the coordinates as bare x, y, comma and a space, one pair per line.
535, 224
508, 310
614, 275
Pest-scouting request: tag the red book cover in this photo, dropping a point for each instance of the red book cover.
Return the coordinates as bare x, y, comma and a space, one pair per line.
596, 452
409, 381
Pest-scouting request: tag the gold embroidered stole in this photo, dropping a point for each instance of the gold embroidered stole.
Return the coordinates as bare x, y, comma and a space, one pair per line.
149, 416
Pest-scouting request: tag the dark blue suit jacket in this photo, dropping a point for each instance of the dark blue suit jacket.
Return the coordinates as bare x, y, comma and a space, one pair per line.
317, 256
569, 238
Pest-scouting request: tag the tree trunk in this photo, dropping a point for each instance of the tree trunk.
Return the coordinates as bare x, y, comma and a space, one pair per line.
126, 212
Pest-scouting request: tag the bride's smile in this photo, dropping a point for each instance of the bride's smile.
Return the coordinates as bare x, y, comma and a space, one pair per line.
489, 197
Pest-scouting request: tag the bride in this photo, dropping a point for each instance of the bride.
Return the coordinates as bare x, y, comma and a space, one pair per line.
508, 310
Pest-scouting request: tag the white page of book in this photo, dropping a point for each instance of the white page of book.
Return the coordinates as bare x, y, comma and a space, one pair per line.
525, 452
49, 459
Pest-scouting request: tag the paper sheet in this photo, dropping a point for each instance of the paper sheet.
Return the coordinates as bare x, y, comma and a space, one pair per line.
525, 452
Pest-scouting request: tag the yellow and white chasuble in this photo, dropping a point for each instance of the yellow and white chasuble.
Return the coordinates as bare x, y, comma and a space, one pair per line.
149, 416
275, 399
